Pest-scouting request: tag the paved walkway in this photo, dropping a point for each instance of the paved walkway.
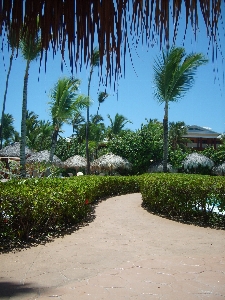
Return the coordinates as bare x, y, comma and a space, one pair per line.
125, 253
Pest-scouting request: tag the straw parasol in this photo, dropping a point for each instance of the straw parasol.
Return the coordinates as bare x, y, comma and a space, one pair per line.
110, 162
13, 150
43, 156
75, 162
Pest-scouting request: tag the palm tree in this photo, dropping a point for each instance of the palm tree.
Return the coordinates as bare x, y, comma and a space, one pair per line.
173, 76
101, 98
117, 124
64, 104
13, 44
30, 48
8, 132
94, 63
31, 129
176, 135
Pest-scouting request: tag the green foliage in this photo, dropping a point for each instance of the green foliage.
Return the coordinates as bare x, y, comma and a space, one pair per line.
67, 147
184, 197
217, 155
140, 147
37, 207
177, 156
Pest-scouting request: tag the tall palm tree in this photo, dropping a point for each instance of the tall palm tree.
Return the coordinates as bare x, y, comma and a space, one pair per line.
13, 44
30, 49
63, 105
173, 76
94, 63
117, 125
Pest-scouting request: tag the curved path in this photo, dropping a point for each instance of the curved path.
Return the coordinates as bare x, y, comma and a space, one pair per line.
125, 253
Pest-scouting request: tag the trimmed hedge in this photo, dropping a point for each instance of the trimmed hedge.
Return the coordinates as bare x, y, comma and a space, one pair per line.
181, 195
34, 207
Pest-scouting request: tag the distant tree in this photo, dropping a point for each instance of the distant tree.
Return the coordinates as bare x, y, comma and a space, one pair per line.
141, 148
38, 133
63, 105
13, 44
94, 63
9, 132
177, 130
173, 76
117, 125
101, 98
30, 48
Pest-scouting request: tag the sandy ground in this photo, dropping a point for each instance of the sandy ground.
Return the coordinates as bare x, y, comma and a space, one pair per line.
125, 253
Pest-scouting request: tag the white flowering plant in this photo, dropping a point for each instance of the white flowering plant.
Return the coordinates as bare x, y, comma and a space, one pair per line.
219, 170
158, 168
198, 164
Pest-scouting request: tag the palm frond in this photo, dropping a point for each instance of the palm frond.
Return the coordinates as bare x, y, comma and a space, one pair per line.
174, 73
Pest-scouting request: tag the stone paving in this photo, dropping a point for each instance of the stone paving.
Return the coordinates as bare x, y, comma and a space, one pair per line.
124, 253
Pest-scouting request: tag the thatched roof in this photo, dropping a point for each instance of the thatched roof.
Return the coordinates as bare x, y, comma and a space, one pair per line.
13, 150
43, 156
78, 25
110, 161
75, 162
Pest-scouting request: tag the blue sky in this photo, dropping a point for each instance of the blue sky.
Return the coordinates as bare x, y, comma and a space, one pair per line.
203, 105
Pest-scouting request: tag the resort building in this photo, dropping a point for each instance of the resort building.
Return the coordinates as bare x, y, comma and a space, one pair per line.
202, 137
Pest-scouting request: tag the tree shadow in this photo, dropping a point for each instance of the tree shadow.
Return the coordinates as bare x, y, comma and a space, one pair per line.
12, 289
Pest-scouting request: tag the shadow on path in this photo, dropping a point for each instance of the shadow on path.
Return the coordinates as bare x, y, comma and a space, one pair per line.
10, 289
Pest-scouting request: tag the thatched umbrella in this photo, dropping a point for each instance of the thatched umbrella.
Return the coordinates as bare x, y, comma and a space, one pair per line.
13, 150
75, 162
110, 162
43, 156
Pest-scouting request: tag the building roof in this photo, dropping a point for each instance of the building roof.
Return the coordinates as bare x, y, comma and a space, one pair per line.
198, 131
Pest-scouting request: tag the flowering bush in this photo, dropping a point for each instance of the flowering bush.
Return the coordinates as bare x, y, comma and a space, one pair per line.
197, 163
219, 170
158, 168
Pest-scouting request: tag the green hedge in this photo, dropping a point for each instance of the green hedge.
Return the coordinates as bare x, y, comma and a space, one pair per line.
181, 195
34, 207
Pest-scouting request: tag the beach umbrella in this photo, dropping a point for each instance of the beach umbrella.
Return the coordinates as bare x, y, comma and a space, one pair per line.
75, 162
110, 161
43, 156
13, 150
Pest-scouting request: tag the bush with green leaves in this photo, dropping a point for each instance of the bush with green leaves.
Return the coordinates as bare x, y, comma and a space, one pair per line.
183, 196
37, 207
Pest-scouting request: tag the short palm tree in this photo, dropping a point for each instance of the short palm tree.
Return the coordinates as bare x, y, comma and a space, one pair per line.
64, 104
30, 49
173, 76
117, 125
177, 131
8, 132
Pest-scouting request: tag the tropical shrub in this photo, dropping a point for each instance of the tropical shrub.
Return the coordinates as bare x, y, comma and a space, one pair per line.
33, 208
198, 164
158, 168
219, 170
183, 196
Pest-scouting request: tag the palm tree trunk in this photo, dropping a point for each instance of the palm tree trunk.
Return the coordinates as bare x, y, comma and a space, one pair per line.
23, 123
4, 100
165, 138
87, 127
53, 146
